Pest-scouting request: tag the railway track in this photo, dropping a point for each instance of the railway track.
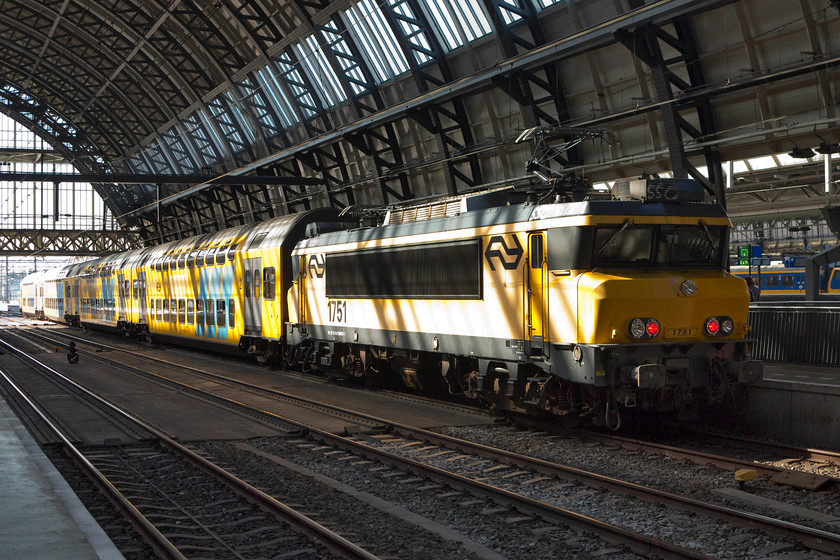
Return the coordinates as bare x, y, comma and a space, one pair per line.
148, 484
789, 454
638, 543
440, 454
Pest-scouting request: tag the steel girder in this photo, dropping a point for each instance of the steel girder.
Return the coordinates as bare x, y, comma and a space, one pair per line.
532, 89
65, 243
446, 120
645, 42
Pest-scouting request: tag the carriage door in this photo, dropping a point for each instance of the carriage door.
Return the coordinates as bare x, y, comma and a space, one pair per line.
141, 303
536, 292
122, 295
252, 288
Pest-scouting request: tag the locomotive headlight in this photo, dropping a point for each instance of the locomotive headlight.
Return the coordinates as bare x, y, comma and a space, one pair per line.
637, 328
688, 287
727, 326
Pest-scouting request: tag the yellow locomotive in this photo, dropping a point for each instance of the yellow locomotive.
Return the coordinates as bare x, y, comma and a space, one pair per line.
579, 309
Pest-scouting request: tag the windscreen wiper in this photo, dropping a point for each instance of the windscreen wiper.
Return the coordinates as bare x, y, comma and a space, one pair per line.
612, 237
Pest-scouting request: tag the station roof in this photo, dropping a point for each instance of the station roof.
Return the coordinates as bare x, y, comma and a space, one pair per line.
378, 102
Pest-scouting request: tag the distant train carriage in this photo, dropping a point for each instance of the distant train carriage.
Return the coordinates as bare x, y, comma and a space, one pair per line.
579, 309
31, 295
788, 282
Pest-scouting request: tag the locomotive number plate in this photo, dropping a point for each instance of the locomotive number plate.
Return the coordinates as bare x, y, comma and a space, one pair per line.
684, 332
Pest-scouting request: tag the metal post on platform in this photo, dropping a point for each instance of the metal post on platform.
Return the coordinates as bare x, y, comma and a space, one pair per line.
827, 160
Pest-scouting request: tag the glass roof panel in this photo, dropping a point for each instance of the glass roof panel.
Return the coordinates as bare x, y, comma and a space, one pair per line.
272, 90
314, 62
509, 16
367, 24
764, 162
421, 47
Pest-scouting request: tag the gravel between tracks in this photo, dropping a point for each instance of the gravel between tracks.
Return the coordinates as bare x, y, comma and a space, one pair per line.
502, 532
655, 471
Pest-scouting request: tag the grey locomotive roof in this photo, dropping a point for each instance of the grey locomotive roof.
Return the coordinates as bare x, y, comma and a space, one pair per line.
518, 213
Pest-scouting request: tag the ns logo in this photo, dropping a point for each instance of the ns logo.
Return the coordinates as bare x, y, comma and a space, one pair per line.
499, 251
316, 266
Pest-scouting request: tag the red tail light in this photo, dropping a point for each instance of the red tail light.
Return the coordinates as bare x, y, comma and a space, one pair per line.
712, 326
653, 328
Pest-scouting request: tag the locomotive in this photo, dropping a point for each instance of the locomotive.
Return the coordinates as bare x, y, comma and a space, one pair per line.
581, 309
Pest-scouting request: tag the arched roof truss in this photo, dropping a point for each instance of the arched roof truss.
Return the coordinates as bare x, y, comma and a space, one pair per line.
385, 101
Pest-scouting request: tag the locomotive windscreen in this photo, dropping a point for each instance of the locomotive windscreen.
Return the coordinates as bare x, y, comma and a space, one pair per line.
434, 271
659, 245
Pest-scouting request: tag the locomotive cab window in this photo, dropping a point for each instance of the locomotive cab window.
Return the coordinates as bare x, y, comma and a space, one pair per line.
634, 245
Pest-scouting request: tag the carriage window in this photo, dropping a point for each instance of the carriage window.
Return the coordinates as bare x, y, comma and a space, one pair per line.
182, 311
210, 312
166, 310
787, 280
771, 281
190, 311
247, 284
208, 259
231, 252
231, 313
257, 240
220, 313
199, 311
181, 260
136, 291
268, 283
257, 283
220, 255
199, 260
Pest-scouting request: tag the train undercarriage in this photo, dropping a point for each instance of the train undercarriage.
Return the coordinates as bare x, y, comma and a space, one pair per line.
684, 381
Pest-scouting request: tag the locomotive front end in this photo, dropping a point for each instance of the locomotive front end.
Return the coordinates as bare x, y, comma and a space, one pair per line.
660, 323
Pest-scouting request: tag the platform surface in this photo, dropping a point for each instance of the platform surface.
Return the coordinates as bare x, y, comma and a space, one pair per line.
40, 516
798, 373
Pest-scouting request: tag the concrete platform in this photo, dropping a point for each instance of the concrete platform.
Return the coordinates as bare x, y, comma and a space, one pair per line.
797, 404
40, 516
